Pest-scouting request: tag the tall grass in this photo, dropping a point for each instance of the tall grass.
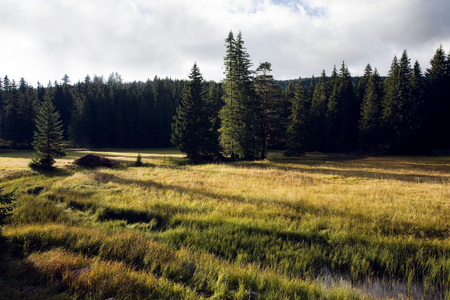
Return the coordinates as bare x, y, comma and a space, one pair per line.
245, 230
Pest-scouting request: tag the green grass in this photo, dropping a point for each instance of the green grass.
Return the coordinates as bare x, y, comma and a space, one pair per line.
244, 230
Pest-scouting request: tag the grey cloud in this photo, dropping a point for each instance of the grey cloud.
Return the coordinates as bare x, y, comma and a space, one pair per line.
140, 39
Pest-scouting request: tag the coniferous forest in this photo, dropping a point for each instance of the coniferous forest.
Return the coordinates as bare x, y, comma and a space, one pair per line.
248, 112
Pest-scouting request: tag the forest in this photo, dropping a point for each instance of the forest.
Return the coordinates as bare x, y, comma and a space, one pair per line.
249, 111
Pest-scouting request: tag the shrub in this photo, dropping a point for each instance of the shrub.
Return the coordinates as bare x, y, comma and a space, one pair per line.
93, 161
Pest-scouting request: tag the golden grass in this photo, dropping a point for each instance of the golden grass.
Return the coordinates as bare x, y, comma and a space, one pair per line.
361, 216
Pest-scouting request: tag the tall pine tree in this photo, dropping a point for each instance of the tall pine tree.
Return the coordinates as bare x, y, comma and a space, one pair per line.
230, 122
241, 113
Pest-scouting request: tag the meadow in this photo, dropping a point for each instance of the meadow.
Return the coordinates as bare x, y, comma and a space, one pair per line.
322, 226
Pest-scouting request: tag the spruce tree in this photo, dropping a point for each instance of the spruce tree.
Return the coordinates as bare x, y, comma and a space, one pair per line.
11, 121
318, 109
342, 114
192, 127
215, 104
268, 94
370, 123
415, 139
231, 124
362, 83
298, 126
438, 103
396, 108
390, 105
241, 113
312, 87
250, 139
47, 137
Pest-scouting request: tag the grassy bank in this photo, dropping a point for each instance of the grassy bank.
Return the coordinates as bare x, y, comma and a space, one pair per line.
244, 230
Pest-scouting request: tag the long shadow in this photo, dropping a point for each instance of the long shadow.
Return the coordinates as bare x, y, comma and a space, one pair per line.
21, 280
239, 232
327, 168
299, 207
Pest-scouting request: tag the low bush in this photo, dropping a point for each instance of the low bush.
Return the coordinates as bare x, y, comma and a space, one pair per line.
92, 161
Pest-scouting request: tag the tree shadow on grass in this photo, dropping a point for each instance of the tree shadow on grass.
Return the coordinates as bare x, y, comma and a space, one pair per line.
298, 207
337, 167
21, 280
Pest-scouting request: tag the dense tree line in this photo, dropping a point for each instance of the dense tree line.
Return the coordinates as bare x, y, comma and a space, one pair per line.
247, 113
95, 112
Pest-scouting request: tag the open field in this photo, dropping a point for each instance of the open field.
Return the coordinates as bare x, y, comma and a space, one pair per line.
315, 227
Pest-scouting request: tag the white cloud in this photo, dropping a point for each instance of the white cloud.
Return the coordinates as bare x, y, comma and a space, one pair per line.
43, 40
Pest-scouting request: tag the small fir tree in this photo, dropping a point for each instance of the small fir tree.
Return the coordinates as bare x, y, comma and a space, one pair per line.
138, 162
47, 137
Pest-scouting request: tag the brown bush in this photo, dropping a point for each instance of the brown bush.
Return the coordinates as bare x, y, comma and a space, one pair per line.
94, 161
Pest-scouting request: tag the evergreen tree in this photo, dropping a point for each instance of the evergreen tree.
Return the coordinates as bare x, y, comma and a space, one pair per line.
250, 139
342, 114
81, 123
312, 87
192, 128
319, 105
414, 133
27, 107
62, 100
396, 104
362, 83
370, 138
438, 103
230, 123
215, 104
240, 116
298, 127
47, 137
11, 122
390, 105
268, 94
334, 78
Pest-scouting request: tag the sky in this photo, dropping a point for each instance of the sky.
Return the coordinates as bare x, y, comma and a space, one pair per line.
41, 40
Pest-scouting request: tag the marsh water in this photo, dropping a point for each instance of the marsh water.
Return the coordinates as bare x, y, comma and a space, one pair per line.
380, 288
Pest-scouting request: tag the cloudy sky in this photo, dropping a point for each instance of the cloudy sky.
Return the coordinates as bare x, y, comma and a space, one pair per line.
42, 40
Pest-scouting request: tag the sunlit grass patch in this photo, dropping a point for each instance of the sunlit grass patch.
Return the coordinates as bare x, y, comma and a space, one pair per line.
95, 279
261, 229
